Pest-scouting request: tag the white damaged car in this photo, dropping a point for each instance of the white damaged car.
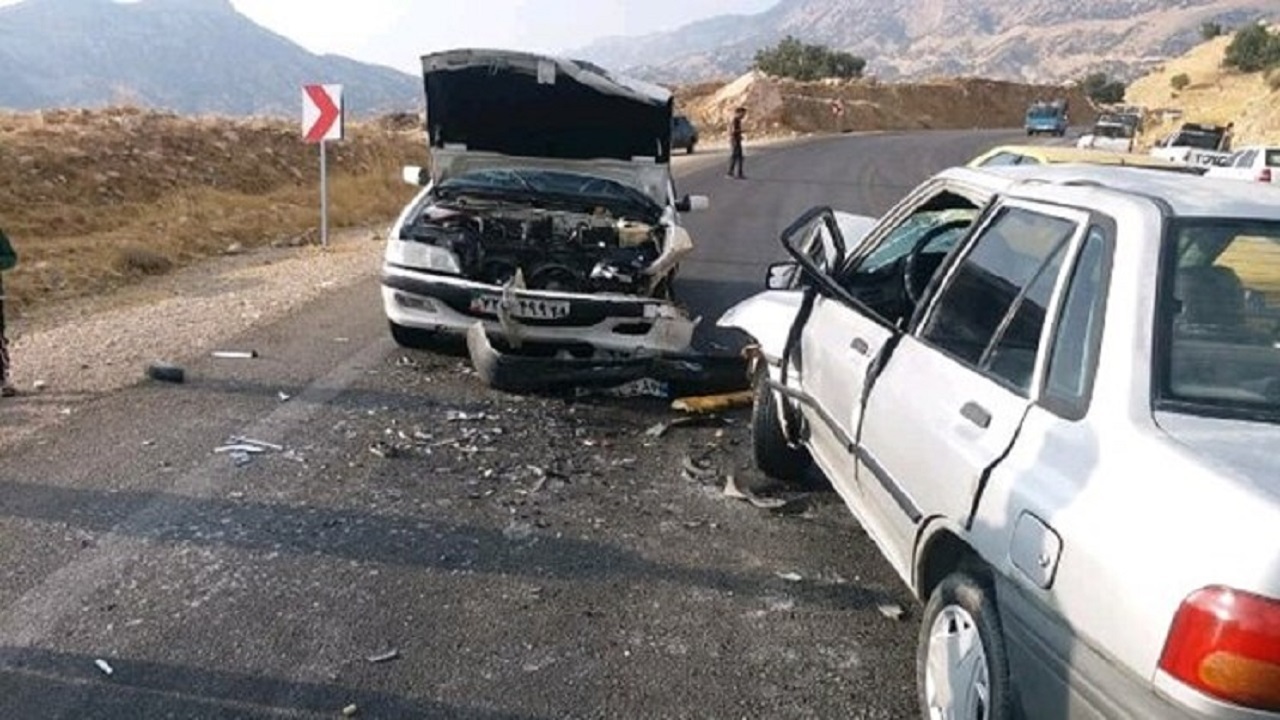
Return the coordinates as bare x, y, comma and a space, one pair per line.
548, 214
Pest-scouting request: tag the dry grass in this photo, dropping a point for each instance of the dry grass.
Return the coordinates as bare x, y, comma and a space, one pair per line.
93, 200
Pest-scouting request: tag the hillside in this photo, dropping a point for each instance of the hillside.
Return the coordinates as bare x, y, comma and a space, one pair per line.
188, 56
97, 198
1030, 41
1215, 95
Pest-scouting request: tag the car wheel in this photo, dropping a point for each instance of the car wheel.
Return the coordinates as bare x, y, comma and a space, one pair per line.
962, 671
689, 150
408, 337
774, 455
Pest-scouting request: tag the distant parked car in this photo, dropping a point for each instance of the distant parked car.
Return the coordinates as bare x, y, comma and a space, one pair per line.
1058, 154
683, 133
1051, 397
1109, 133
1257, 163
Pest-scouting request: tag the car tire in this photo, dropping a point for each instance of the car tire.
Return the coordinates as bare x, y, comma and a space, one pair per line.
962, 669
412, 338
773, 454
689, 150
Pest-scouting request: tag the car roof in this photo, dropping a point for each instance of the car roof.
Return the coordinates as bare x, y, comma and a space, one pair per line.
1068, 154
1185, 195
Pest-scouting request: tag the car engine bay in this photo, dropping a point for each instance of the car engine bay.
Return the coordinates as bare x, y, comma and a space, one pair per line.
559, 250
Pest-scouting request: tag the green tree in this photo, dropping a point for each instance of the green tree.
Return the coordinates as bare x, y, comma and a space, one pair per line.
1180, 81
1102, 89
794, 59
1210, 30
1253, 48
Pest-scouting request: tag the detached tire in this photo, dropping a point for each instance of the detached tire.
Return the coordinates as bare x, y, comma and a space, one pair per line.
774, 456
412, 338
962, 669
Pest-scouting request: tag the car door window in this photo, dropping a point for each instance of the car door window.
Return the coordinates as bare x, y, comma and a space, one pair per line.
889, 275
1246, 158
1074, 358
992, 311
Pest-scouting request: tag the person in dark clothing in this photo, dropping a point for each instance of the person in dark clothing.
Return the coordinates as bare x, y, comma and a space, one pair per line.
8, 258
735, 145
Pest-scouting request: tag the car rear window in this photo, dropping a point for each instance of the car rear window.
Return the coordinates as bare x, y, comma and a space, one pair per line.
1220, 318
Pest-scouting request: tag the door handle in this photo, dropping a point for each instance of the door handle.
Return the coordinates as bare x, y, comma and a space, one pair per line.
860, 346
976, 414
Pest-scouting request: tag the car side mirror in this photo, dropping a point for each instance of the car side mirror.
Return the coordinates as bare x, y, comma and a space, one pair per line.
414, 175
693, 203
782, 276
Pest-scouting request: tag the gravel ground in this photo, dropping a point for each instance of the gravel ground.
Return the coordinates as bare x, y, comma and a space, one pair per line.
87, 347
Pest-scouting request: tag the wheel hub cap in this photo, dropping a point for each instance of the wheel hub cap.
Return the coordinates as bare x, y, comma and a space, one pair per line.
957, 685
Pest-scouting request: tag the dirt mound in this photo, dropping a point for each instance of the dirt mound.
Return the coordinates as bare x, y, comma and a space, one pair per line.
92, 198
1215, 95
778, 106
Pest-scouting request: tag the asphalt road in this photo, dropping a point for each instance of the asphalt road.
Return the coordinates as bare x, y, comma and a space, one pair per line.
523, 558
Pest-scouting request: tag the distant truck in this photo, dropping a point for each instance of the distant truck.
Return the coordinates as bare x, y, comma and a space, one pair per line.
1196, 144
1047, 117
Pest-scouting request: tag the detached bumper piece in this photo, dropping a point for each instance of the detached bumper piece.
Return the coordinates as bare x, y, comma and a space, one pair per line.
670, 375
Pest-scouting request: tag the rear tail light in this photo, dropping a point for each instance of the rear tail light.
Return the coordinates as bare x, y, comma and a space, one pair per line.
1264, 175
1226, 644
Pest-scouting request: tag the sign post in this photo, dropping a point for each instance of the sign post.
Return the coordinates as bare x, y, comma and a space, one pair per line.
322, 121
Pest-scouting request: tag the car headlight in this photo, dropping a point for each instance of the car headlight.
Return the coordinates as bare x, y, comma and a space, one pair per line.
421, 256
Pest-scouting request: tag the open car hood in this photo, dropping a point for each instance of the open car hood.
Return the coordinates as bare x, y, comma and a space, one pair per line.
526, 105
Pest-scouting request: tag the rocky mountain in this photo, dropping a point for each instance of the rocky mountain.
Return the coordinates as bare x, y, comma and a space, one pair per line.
189, 56
1028, 40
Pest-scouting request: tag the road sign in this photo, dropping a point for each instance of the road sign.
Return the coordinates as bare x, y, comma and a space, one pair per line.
321, 113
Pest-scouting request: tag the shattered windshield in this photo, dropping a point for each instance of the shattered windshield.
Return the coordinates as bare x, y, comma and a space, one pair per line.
524, 183
1221, 319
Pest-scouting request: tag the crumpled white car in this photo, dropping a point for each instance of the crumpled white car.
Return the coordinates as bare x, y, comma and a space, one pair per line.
1051, 396
548, 214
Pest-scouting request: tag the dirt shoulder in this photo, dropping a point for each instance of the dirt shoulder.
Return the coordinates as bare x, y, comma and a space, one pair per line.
81, 348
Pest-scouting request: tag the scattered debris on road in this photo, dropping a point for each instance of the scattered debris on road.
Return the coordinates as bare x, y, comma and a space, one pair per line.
662, 428
704, 404
892, 611
791, 577
696, 470
104, 666
242, 450
733, 491
384, 450
166, 372
350, 711
284, 396
384, 657
235, 354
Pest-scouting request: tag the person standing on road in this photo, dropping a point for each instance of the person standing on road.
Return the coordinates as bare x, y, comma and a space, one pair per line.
735, 145
8, 258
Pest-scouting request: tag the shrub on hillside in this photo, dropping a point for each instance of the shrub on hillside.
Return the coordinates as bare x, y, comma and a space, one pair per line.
1102, 89
791, 58
1210, 30
1253, 48
1180, 82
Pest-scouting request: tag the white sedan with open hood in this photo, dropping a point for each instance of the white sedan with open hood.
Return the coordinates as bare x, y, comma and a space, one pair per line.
548, 213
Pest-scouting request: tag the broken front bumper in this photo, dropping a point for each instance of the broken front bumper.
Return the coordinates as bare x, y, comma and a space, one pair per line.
611, 323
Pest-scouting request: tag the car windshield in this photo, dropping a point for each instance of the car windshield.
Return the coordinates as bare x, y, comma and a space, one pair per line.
1220, 319
1196, 139
1113, 131
524, 183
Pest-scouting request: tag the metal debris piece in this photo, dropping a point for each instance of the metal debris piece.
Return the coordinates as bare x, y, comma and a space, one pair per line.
259, 443
459, 416
240, 448
387, 656
383, 450
662, 428
701, 404
166, 372
104, 666
790, 577
892, 611
235, 354
693, 470
284, 396
733, 491
350, 711
39, 385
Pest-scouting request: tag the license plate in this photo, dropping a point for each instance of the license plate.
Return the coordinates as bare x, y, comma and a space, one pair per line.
524, 308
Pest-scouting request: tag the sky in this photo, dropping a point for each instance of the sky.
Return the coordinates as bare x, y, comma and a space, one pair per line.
397, 32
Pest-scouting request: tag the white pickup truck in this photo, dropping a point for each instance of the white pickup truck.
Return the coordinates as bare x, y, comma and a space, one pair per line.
1256, 163
1196, 144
